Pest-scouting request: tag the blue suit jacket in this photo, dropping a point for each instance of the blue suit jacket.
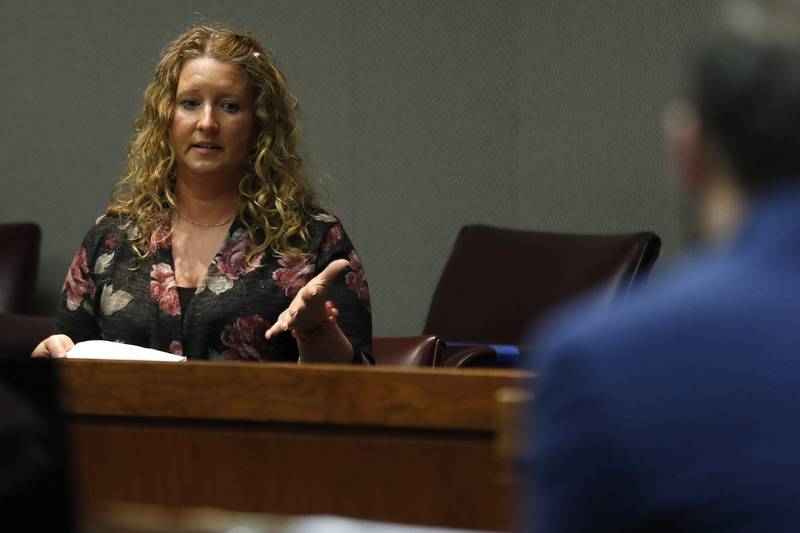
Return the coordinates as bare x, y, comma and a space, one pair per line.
679, 410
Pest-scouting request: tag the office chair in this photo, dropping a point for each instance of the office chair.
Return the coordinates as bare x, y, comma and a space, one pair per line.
499, 283
19, 334
19, 265
420, 351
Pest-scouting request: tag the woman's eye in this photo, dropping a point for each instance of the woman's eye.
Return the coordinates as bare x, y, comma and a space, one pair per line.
189, 103
230, 107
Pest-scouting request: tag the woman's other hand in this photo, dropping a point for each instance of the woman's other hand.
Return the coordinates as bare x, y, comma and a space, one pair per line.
310, 310
53, 346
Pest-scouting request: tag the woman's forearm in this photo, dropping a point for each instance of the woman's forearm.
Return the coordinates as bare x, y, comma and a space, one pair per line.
326, 344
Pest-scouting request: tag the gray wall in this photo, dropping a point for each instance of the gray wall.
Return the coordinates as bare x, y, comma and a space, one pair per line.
420, 117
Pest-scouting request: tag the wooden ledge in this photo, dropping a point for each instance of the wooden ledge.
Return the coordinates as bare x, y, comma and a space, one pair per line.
452, 399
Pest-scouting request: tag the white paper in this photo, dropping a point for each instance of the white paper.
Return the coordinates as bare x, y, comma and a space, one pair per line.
117, 351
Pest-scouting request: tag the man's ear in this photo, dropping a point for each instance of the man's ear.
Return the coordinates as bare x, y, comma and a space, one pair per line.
691, 154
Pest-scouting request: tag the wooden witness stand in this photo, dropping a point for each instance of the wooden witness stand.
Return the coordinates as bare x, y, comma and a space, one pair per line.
389, 444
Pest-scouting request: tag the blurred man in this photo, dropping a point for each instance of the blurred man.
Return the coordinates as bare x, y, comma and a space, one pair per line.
680, 410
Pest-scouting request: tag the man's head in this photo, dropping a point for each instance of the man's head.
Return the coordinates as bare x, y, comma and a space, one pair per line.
745, 86
740, 127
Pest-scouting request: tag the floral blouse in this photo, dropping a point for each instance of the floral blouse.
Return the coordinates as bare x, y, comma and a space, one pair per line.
109, 293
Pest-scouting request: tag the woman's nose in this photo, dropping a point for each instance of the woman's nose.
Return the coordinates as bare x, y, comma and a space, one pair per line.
208, 120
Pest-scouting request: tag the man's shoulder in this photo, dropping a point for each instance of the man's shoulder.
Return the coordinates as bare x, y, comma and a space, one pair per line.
670, 308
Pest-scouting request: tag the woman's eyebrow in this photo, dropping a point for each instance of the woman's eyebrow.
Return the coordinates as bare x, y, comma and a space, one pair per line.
224, 94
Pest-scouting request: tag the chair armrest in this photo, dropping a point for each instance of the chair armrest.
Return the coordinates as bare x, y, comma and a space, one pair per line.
473, 356
467, 354
420, 351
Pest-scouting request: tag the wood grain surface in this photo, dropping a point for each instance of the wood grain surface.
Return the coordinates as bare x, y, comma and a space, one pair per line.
335, 394
410, 446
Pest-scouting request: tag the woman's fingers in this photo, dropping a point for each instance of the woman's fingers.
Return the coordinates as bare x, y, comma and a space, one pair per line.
287, 318
59, 345
292, 318
308, 310
319, 283
331, 272
333, 311
40, 350
280, 325
53, 346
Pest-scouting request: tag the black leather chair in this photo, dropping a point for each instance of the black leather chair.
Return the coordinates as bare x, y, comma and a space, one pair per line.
498, 283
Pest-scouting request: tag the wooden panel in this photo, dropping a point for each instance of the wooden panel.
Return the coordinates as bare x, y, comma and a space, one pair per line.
391, 397
389, 445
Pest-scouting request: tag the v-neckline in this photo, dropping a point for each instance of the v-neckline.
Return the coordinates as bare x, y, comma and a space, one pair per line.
235, 225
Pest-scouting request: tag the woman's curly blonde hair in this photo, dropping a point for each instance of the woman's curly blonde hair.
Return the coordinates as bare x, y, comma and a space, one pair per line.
277, 201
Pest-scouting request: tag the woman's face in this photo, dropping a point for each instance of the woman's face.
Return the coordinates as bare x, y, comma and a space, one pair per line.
212, 127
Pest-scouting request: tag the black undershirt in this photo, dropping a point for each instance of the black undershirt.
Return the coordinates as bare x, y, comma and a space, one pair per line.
185, 295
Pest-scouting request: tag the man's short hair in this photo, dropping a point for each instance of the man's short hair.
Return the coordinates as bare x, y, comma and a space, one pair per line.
745, 84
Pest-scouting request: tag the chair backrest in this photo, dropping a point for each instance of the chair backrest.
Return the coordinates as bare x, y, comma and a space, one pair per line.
497, 282
19, 266
421, 351
19, 334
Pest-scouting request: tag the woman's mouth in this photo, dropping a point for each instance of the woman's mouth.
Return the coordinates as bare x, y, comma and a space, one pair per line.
206, 147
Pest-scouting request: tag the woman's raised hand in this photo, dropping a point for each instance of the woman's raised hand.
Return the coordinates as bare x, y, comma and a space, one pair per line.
53, 346
310, 310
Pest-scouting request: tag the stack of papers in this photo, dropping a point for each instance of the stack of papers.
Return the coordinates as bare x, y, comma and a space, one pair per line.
117, 351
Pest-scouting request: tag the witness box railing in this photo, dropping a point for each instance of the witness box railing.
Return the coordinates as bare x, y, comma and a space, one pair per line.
391, 444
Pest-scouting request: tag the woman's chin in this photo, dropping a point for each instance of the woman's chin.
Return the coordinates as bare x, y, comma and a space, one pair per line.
207, 172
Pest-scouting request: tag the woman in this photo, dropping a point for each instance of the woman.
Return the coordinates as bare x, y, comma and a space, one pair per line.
212, 245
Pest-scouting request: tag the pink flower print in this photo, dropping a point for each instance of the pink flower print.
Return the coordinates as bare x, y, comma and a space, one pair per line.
296, 272
161, 237
111, 243
77, 284
176, 347
231, 261
356, 281
164, 290
245, 339
332, 238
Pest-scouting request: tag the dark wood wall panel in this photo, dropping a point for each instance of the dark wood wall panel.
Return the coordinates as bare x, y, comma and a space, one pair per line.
406, 468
